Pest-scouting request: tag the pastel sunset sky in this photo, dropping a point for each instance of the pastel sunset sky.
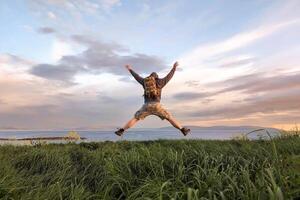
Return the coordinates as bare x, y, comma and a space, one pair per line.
62, 62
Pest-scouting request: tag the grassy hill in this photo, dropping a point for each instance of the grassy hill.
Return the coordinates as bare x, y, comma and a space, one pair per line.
182, 169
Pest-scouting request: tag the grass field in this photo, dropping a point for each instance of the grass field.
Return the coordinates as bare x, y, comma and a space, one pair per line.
182, 169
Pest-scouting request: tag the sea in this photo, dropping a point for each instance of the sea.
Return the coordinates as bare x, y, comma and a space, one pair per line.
208, 133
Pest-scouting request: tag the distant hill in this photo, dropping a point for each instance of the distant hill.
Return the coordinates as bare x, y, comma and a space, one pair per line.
233, 129
229, 131
224, 128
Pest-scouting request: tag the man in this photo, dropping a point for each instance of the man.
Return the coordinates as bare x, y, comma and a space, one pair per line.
152, 94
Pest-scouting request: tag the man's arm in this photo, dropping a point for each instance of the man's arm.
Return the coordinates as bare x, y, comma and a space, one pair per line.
137, 77
169, 76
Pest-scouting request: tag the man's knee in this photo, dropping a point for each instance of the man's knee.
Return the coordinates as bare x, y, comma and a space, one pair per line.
140, 116
135, 119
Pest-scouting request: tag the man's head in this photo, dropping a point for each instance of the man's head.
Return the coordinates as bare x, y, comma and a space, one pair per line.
154, 74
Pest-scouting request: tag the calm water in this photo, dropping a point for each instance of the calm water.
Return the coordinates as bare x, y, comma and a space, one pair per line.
129, 135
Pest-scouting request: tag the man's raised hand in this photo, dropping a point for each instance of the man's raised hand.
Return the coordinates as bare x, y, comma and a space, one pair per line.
128, 67
175, 64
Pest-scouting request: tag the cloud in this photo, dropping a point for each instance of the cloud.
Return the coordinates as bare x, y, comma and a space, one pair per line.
54, 72
14, 65
260, 82
51, 15
10, 59
60, 48
76, 6
99, 57
192, 83
2, 102
108, 4
237, 61
191, 95
207, 101
267, 103
46, 30
254, 98
204, 52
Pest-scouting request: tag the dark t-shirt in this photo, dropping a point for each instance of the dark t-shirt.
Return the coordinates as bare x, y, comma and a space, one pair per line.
160, 83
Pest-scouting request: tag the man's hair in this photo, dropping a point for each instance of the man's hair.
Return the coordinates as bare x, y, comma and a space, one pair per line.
154, 74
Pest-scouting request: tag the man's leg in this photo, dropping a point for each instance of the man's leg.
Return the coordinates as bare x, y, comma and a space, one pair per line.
130, 123
140, 114
174, 122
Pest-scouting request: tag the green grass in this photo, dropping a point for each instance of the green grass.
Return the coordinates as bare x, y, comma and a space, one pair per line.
182, 169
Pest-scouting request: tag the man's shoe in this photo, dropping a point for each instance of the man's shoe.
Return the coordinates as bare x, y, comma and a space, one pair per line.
119, 132
185, 131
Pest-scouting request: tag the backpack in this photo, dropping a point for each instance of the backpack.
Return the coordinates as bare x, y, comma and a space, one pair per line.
150, 87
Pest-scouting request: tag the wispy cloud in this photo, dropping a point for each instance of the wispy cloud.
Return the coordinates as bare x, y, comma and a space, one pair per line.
237, 61
46, 30
204, 52
51, 15
76, 7
15, 65
191, 96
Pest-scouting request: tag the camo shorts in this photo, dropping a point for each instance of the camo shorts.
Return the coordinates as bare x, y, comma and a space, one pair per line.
152, 109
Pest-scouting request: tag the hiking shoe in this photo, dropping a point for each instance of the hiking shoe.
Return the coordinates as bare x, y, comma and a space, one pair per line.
120, 131
185, 131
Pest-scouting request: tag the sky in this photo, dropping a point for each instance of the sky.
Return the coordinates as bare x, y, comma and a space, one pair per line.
62, 62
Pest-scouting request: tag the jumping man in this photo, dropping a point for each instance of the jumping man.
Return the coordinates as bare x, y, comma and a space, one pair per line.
152, 94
